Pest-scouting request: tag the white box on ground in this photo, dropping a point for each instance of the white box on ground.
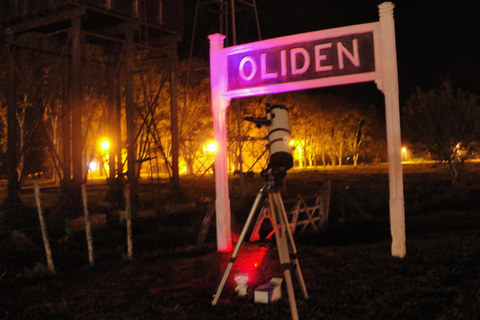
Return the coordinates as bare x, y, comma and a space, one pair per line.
269, 291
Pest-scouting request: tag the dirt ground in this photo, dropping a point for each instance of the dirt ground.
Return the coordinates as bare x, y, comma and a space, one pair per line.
347, 267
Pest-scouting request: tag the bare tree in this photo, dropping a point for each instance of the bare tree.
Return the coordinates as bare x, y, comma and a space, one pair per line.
195, 115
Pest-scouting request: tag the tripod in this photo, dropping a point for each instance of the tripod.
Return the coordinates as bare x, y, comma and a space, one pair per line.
287, 251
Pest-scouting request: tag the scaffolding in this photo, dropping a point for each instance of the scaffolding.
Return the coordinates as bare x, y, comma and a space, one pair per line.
122, 29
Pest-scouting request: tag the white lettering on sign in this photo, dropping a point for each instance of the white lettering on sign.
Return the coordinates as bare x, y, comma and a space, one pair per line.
283, 63
299, 61
253, 66
354, 58
263, 65
293, 60
320, 57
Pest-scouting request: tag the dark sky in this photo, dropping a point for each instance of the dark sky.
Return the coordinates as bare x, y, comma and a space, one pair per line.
436, 39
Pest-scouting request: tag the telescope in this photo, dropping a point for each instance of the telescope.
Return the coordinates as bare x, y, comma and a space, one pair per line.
279, 135
280, 161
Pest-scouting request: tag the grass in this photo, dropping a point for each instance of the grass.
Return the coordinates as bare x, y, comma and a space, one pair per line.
348, 269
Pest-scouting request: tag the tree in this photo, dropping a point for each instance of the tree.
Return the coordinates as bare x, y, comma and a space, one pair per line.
361, 121
445, 122
38, 90
347, 124
196, 126
152, 101
328, 126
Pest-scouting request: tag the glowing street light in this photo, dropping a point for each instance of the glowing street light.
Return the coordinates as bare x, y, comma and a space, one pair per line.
211, 147
93, 166
104, 156
105, 145
405, 152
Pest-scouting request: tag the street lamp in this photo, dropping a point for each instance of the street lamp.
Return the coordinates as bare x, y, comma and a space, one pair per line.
211, 147
104, 155
105, 145
405, 152
93, 166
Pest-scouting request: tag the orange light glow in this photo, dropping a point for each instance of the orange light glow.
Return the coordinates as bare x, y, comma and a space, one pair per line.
93, 166
105, 145
211, 147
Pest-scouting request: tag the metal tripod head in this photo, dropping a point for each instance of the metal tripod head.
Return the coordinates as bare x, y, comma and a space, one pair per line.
273, 176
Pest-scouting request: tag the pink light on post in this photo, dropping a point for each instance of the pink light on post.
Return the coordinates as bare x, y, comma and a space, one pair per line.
220, 103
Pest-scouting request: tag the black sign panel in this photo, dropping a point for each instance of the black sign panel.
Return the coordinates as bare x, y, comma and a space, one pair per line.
323, 58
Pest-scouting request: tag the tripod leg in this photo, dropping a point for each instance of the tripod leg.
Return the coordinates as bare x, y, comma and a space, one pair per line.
283, 252
237, 247
298, 270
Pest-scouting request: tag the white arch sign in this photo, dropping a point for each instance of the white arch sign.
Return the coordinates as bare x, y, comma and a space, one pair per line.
324, 58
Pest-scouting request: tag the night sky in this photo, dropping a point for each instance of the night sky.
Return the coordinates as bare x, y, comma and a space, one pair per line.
436, 39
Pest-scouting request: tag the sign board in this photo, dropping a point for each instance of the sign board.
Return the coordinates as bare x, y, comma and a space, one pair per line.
345, 55
304, 61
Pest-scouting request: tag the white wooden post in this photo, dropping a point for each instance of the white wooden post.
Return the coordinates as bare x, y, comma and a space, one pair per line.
88, 227
218, 76
389, 86
43, 227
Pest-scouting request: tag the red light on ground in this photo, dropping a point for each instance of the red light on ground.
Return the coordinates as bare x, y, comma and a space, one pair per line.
248, 261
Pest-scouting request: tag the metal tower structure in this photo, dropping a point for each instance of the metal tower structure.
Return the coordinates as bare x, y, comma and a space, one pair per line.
234, 19
231, 15
121, 28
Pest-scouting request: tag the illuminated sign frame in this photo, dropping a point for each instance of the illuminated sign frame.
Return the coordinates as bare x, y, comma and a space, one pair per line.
306, 61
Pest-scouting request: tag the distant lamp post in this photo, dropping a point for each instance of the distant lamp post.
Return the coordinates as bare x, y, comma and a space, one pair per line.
105, 145
405, 154
296, 149
93, 166
211, 147
292, 144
